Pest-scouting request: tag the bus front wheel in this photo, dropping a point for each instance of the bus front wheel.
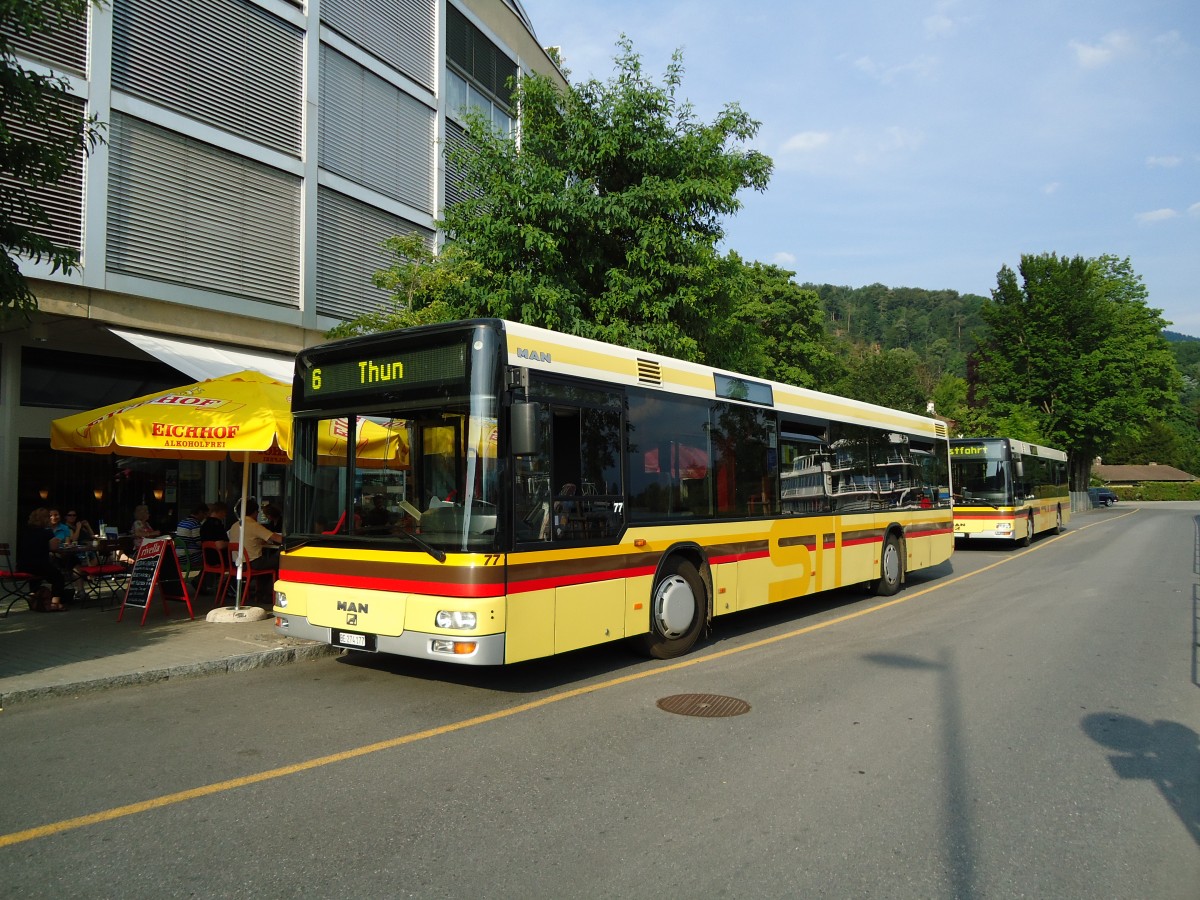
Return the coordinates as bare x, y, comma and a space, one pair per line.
677, 611
891, 567
1028, 539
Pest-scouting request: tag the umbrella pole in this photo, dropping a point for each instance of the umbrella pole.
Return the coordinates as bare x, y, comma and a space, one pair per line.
241, 554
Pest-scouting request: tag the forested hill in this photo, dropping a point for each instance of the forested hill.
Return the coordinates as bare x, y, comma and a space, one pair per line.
936, 325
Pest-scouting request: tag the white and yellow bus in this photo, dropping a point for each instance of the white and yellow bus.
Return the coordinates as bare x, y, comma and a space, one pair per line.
1008, 489
502, 492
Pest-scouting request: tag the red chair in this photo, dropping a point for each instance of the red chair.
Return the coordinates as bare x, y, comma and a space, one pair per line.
251, 569
103, 580
214, 560
15, 585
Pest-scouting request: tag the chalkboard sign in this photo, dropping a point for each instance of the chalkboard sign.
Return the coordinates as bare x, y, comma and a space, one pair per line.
156, 565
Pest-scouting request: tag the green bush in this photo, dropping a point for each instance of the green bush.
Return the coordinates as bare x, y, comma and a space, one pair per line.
1158, 490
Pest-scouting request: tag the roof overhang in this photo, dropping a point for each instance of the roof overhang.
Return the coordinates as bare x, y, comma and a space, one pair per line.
201, 361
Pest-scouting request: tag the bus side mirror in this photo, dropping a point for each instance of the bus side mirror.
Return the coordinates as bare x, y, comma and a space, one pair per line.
525, 431
1019, 467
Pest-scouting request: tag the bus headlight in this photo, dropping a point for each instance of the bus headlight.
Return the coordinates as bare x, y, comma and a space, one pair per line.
455, 619
281, 599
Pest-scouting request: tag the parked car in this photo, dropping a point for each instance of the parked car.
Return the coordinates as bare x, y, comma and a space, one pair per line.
1102, 496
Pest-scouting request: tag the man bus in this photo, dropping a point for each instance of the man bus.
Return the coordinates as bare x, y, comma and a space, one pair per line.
1007, 489
546, 492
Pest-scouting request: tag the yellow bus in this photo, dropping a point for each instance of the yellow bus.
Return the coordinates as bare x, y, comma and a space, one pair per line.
497, 492
1008, 489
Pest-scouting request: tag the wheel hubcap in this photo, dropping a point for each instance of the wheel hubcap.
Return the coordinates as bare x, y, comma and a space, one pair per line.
674, 607
891, 564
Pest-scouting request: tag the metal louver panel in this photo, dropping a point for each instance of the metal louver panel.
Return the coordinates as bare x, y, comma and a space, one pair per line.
375, 134
478, 58
63, 45
401, 33
62, 202
649, 372
456, 139
184, 212
350, 237
227, 63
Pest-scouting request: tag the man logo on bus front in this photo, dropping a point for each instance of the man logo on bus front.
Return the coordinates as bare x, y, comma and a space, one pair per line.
352, 618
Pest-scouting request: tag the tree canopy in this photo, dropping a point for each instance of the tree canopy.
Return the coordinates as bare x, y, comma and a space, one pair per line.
42, 138
1072, 352
602, 216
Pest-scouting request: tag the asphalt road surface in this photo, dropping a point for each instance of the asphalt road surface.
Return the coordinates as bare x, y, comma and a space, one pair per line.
1016, 723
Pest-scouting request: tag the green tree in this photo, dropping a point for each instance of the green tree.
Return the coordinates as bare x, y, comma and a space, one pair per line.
603, 218
1073, 353
42, 139
788, 322
889, 377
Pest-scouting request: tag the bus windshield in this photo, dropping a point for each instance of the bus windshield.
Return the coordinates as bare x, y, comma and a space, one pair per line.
429, 473
981, 474
397, 445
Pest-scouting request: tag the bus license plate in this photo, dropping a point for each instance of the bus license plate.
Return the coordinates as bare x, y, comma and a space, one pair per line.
353, 640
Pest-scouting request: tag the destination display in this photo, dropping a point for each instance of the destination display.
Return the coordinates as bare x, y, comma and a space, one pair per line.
968, 450
373, 373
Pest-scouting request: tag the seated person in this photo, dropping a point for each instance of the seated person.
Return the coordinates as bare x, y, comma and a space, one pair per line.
142, 529
271, 516
81, 529
378, 518
256, 534
187, 533
34, 555
61, 529
213, 526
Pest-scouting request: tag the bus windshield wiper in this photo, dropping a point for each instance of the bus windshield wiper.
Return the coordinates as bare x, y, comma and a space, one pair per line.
975, 501
437, 554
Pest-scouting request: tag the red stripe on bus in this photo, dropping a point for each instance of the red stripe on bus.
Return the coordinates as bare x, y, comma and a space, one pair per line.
358, 582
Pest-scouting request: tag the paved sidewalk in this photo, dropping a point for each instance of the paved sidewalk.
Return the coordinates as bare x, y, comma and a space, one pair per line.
86, 649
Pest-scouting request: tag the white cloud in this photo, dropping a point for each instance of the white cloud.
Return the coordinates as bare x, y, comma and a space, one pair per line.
784, 258
1112, 45
921, 67
938, 26
1194, 209
1163, 162
806, 141
1155, 215
1052, 188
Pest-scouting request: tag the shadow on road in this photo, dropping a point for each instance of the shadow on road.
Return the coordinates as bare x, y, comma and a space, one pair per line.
1167, 754
618, 657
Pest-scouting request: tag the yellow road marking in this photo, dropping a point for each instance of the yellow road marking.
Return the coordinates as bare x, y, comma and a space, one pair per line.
131, 809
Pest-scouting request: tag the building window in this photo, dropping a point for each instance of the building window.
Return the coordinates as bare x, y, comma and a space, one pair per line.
480, 75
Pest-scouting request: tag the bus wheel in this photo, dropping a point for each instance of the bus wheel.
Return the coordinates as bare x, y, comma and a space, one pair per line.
677, 611
1028, 539
891, 567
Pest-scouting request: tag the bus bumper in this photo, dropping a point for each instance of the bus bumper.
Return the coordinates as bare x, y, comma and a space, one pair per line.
488, 649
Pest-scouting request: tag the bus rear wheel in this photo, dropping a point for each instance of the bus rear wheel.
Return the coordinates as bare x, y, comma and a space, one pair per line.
891, 567
677, 611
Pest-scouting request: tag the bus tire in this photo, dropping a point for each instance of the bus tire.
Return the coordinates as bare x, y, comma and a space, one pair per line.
678, 609
891, 567
1028, 539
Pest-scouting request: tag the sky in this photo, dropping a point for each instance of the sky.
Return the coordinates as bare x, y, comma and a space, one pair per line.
926, 143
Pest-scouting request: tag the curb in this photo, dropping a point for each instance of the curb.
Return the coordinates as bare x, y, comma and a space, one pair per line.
277, 656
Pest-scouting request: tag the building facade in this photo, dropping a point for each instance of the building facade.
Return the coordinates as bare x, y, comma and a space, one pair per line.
257, 153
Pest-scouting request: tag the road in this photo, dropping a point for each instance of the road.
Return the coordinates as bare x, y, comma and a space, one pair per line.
1016, 723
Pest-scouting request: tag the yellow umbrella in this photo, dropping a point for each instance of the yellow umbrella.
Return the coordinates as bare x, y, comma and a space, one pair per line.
246, 413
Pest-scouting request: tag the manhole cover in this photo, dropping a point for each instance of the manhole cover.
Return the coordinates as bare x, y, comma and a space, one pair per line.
709, 706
